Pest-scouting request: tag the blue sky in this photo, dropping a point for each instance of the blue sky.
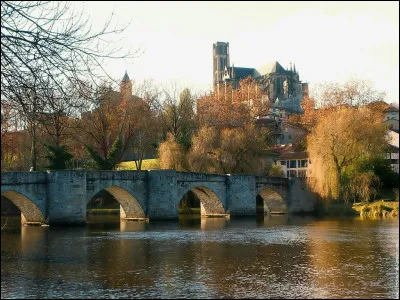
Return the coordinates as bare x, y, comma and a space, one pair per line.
328, 41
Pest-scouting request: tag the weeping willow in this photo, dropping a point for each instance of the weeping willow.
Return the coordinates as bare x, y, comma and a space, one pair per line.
171, 155
324, 179
337, 140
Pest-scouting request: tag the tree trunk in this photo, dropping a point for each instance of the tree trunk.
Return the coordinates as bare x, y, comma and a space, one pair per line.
33, 148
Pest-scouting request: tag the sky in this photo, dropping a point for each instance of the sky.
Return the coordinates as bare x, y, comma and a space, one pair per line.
327, 41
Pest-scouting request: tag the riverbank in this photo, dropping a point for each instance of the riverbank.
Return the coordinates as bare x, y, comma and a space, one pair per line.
378, 208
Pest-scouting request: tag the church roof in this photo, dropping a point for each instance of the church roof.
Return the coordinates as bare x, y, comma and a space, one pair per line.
125, 78
241, 73
273, 67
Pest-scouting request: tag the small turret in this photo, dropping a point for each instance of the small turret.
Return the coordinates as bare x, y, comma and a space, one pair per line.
126, 77
126, 87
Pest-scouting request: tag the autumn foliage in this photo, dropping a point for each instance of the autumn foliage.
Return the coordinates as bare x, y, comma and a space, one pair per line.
344, 135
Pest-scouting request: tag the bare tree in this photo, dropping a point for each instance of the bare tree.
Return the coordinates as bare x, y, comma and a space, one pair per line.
48, 41
354, 92
47, 50
59, 118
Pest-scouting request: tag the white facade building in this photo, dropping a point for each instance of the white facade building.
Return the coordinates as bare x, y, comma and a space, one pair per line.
393, 154
295, 164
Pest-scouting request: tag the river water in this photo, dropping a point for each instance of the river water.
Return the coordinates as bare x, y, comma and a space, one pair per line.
271, 257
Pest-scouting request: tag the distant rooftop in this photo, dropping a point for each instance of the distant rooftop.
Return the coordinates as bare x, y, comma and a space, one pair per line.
273, 67
293, 155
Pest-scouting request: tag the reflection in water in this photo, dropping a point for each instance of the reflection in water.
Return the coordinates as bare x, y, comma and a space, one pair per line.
274, 257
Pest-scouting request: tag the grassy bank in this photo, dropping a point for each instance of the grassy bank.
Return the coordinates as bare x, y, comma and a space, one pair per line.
147, 164
379, 208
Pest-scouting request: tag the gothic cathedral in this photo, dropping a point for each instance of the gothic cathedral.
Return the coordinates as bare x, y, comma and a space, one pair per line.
283, 87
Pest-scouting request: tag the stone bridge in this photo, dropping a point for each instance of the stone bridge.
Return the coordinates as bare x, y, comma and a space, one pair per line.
61, 197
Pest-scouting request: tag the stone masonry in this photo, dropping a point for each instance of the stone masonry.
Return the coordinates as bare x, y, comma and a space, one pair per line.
61, 197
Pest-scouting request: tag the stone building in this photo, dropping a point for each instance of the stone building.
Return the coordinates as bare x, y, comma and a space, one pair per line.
282, 86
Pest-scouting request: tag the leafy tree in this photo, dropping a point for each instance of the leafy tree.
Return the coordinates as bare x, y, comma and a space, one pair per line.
228, 106
101, 126
172, 155
276, 171
178, 115
337, 141
58, 156
112, 158
378, 165
229, 150
146, 135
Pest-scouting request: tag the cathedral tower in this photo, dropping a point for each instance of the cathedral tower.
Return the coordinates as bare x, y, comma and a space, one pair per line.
220, 60
126, 87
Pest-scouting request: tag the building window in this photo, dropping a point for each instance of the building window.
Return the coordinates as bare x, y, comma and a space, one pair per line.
292, 164
303, 163
283, 162
302, 173
292, 173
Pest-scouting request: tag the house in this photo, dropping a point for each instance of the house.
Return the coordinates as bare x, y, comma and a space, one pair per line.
391, 118
393, 153
294, 164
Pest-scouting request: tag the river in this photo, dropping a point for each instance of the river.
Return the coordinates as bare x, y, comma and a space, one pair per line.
272, 257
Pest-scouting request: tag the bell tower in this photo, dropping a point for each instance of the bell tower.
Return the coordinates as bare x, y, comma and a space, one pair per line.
220, 61
126, 88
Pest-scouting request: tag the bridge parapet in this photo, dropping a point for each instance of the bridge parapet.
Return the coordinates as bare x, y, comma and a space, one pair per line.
16, 178
116, 175
199, 177
264, 179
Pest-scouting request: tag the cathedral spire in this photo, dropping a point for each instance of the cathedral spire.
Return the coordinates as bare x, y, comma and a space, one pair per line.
291, 70
294, 70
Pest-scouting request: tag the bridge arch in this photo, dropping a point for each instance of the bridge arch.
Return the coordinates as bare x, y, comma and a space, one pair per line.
210, 203
272, 201
130, 206
30, 211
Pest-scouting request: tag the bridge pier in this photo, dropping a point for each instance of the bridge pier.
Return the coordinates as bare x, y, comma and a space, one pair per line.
162, 195
241, 195
66, 191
